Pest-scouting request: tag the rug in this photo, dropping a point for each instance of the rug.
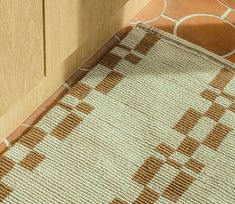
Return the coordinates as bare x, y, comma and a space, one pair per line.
152, 123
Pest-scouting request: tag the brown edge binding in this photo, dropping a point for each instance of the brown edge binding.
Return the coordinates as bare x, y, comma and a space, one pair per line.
59, 93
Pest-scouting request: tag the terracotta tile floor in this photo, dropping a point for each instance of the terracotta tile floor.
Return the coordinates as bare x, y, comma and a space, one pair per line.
207, 23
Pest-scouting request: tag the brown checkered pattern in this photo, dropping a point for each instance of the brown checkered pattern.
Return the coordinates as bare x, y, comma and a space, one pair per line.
93, 145
71, 120
188, 146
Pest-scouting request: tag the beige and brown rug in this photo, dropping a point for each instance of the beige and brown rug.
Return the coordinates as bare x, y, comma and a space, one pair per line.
152, 123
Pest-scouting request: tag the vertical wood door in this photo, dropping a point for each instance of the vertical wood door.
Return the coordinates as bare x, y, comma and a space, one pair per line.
79, 27
21, 49
74, 30
69, 23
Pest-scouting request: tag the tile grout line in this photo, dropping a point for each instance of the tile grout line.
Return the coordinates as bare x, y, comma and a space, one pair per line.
224, 4
67, 85
169, 18
117, 38
229, 54
84, 69
25, 125
226, 13
6, 142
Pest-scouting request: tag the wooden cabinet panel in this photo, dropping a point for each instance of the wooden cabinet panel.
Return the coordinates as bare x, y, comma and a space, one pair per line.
74, 30
69, 25
21, 49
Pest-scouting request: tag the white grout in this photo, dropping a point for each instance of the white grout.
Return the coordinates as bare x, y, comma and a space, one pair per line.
195, 15
134, 22
224, 4
7, 143
228, 54
119, 40
169, 18
25, 125
66, 85
226, 13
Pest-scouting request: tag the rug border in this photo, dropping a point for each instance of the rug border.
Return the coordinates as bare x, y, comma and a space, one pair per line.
195, 49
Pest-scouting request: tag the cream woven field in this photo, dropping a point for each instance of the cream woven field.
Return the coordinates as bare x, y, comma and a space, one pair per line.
152, 123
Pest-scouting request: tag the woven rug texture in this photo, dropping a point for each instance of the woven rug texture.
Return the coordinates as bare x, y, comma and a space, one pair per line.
152, 123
